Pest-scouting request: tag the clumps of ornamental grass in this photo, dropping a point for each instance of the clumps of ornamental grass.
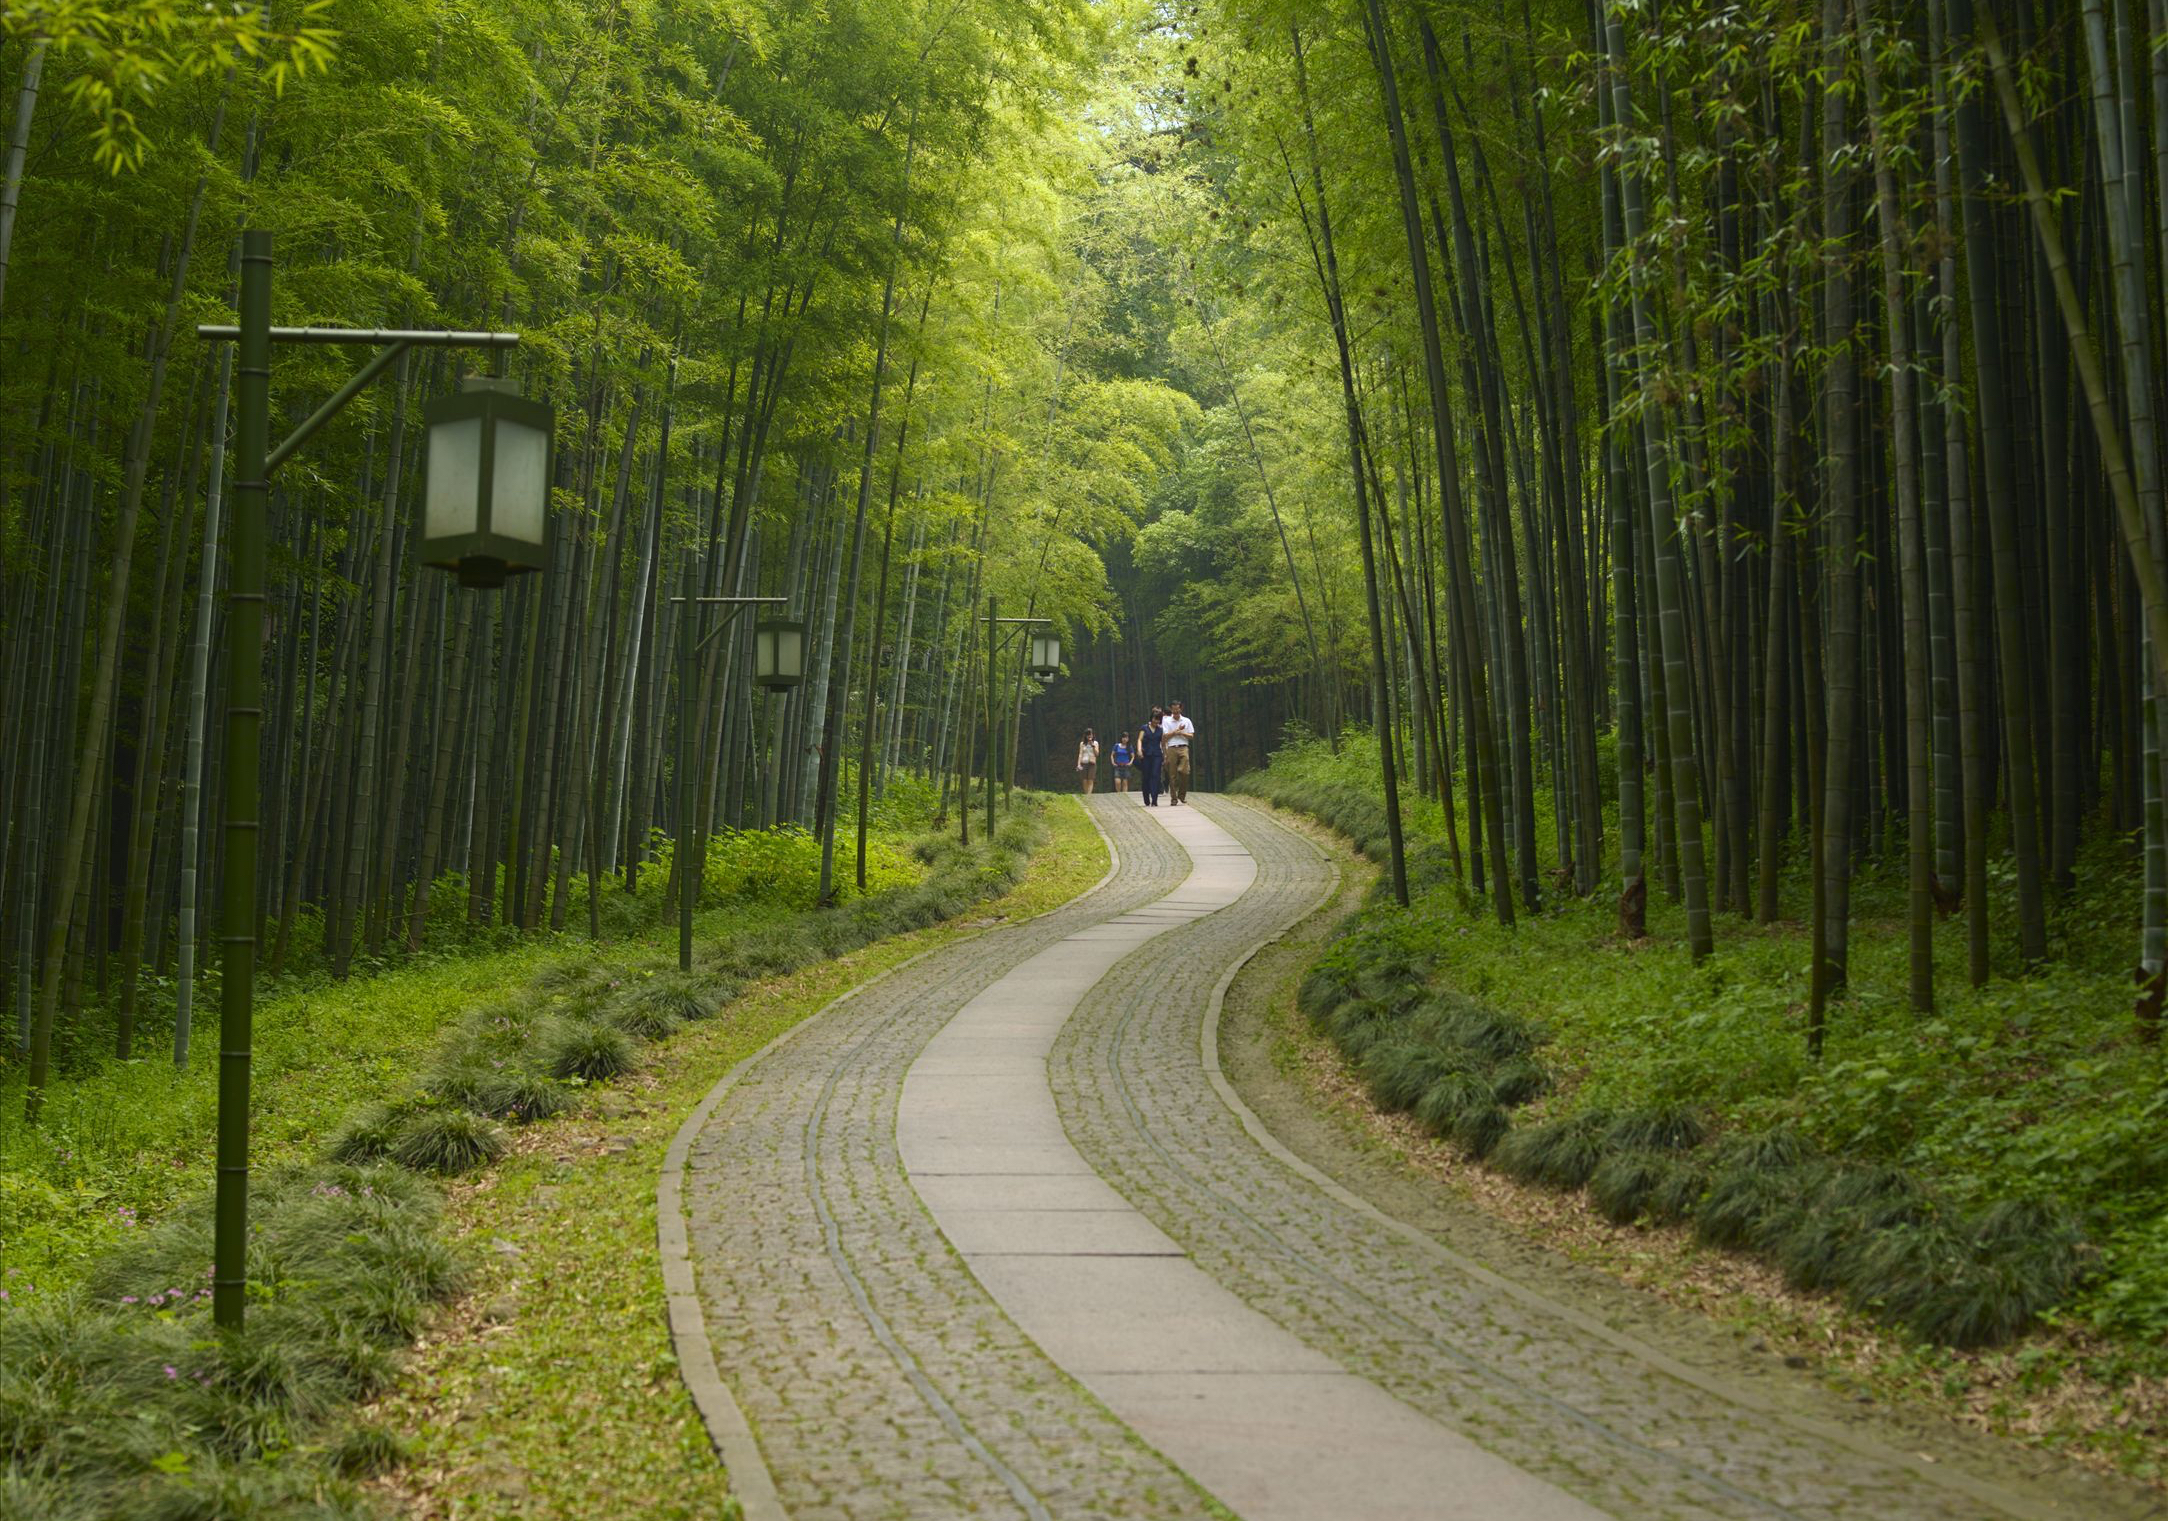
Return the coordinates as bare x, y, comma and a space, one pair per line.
520, 1096
1750, 1207
1676, 1196
116, 1398
1666, 1128
1400, 1072
1974, 1283
643, 1020
458, 1082
766, 950
1558, 1153
1868, 1233
1486, 1035
1854, 1204
683, 995
587, 1050
1356, 1024
365, 1449
368, 1134
1324, 988
447, 1141
1624, 1182
1453, 1094
1456, 1065
1519, 1081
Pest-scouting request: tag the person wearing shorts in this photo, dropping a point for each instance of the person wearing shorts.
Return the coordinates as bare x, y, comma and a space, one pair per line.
1175, 733
1087, 762
1121, 759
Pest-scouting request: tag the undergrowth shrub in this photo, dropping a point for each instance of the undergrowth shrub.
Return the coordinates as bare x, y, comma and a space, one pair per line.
117, 1399
1559, 1153
366, 1449
521, 1097
643, 1020
591, 1052
1624, 1182
368, 1134
447, 1142
1641, 1142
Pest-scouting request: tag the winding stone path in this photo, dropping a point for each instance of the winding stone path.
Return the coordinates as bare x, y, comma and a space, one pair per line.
991, 1236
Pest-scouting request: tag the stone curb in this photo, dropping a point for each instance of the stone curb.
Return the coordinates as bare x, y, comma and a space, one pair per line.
729, 1432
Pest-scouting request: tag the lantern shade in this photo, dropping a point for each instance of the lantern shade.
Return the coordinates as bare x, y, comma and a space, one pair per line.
1045, 655
778, 653
485, 501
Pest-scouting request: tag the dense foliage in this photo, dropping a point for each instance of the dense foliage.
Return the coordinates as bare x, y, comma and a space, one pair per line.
813, 295
1763, 389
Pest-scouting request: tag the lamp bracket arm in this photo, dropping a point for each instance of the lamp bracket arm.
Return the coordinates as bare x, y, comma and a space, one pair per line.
335, 404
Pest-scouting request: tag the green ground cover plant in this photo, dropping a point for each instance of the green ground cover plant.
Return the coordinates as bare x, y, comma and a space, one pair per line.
121, 1141
552, 1389
1961, 1175
116, 1396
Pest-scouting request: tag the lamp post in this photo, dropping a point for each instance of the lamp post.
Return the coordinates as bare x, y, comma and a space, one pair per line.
466, 477
1041, 644
778, 664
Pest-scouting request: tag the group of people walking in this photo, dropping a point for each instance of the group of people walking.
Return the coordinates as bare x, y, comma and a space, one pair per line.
1159, 755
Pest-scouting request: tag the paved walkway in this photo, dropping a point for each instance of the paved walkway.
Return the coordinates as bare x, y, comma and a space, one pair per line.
991, 1236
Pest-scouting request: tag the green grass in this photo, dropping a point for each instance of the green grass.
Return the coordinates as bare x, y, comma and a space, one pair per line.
1685, 1093
115, 1402
555, 1393
120, 1142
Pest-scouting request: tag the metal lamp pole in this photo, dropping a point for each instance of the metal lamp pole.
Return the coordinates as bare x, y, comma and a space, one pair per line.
256, 460
690, 866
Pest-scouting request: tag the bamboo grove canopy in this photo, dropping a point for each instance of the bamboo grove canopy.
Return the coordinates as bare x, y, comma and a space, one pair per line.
1706, 443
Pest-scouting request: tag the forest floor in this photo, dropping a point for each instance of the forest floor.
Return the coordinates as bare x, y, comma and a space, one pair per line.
497, 1071
2030, 1086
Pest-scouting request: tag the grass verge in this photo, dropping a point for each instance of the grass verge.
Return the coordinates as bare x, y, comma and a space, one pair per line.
117, 1399
550, 1389
1992, 1177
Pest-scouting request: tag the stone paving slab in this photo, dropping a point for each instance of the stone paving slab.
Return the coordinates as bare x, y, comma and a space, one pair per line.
874, 1373
1202, 1376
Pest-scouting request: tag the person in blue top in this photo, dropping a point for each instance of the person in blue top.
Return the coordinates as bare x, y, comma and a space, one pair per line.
1121, 758
1148, 756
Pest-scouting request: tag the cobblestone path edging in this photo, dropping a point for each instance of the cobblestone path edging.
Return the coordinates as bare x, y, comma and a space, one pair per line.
799, 1220
845, 1334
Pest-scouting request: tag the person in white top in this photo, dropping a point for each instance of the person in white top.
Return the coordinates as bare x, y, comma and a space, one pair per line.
1175, 733
1087, 761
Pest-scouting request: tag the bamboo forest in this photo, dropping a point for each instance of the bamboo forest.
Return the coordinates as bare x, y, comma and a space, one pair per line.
1141, 758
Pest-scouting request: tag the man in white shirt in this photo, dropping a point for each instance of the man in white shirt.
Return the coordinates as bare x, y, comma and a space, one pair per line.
1175, 733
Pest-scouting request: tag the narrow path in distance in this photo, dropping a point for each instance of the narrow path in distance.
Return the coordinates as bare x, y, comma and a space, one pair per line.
992, 1236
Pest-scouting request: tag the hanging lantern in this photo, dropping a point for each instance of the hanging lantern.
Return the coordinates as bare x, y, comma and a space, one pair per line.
1045, 655
779, 653
485, 507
